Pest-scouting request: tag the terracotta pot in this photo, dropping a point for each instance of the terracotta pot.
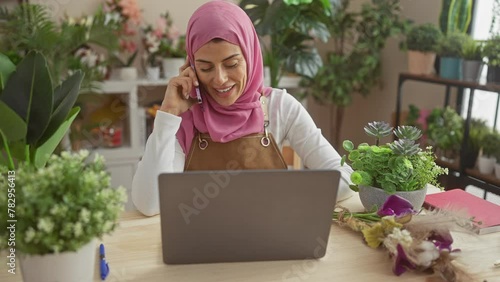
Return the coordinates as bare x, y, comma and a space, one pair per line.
420, 62
373, 198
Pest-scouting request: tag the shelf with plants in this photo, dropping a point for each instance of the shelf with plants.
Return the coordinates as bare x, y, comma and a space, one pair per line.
463, 168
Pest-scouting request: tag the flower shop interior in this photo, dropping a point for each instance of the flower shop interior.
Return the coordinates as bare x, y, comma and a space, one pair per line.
429, 64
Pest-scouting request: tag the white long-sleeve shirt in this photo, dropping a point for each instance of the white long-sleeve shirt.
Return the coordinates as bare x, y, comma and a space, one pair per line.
288, 119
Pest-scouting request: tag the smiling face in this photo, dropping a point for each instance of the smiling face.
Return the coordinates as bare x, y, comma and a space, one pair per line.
221, 70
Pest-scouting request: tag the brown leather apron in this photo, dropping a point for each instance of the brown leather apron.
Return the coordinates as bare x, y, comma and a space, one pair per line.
254, 151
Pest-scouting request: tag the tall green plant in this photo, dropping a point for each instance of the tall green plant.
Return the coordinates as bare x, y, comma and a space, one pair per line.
354, 66
288, 29
34, 116
455, 16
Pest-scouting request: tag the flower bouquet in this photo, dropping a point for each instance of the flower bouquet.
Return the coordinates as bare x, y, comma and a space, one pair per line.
419, 242
172, 43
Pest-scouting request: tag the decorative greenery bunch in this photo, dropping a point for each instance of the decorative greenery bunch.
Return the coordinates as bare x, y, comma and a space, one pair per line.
62, 206
397, 166
415, 242
423, 38
451, 45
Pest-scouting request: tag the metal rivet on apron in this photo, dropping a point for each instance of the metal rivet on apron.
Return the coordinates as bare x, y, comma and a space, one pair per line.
202, 143
265, 141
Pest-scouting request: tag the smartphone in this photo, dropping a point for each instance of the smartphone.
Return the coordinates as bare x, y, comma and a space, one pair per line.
197, 88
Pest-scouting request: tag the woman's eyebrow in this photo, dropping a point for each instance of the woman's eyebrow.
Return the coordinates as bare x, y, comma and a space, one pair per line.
225, 59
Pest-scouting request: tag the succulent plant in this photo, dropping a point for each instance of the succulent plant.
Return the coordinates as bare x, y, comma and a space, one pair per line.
408, 132
378, 129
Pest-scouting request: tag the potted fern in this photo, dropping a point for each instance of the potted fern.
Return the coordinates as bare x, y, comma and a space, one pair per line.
400, 167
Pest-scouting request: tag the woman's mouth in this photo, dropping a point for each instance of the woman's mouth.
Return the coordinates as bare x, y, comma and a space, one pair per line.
224, 92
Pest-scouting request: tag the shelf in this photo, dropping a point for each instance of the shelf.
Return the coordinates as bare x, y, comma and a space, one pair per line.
121, 153
489, 178
120, 86
450, 165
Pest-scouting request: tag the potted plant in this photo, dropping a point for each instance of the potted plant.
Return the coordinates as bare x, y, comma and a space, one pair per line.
172, 47
46, 193
60, 210
354, 65
489, 145
151, 39
288, 30
491, 51
445, 132
472, 55
497, 164
477, 130
450, 49
400, 167
422, 43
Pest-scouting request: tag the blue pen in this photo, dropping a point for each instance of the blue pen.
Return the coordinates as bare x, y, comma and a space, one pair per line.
103, 263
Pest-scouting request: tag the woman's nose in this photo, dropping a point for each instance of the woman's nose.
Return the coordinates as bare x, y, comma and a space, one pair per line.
220, 76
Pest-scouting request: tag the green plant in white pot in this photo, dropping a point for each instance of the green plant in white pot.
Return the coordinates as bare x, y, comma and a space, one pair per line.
400, 167
55, 206
489, 146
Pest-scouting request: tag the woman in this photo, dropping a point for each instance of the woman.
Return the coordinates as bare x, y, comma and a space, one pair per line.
229, 126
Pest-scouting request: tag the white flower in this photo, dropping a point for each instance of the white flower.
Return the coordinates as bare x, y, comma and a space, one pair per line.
85, 215
78, 229
45, 224
30, 234
401, 236
428, 253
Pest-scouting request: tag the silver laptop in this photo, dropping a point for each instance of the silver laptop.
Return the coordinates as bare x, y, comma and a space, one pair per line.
246, 215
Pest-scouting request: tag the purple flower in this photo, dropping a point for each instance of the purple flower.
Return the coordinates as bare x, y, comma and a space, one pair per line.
442, 239
402, 262
395, 205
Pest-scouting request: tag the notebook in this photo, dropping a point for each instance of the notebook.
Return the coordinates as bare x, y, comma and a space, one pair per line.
481, 210
246, 215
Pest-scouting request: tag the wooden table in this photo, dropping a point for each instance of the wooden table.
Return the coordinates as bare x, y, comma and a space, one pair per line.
134, 254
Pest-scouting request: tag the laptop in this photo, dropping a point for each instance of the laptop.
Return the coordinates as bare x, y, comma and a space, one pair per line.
246, 215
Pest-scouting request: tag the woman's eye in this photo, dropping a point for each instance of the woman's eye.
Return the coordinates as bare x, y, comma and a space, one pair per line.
205, 69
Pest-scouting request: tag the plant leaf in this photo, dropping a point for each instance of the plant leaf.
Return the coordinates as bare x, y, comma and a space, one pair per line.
29, 93
6, 69
43, 152
65, 96
12, 125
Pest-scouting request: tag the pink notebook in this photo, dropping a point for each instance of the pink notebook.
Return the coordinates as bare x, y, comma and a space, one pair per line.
483, 211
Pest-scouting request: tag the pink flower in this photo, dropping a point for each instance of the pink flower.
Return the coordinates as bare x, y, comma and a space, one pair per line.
131, 10
128, 46
161, 26
128, 29
173, 33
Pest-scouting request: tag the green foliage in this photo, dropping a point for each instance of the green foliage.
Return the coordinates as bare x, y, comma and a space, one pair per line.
290, 28
378, 129
397, 166
472, 49
445, 129
490, 143
477, 130
492, 50
423, 38
358, 38
451, 45
455, 16
61, 207
35, 116
29, 27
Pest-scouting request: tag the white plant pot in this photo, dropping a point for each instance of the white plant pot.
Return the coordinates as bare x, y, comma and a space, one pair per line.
486, 164
63, 267
497, 170
128, 73
420, 62
153, 73
372, 197
171, 66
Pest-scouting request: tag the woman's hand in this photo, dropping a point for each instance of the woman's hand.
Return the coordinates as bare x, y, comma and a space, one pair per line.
176, 100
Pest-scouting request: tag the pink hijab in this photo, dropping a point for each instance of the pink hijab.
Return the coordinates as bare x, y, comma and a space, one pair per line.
227, 21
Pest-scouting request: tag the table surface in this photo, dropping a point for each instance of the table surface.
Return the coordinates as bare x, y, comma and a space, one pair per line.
134, 254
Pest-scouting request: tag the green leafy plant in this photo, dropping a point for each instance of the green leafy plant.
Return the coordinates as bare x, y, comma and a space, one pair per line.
472, 50
397, 166
490, 143
491, 50
61, 207
354, 66
445, 130
34, 116
289, 30
423, 38
451, 45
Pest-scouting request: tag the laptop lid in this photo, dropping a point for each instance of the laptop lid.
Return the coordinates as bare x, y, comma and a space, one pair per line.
246, 215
